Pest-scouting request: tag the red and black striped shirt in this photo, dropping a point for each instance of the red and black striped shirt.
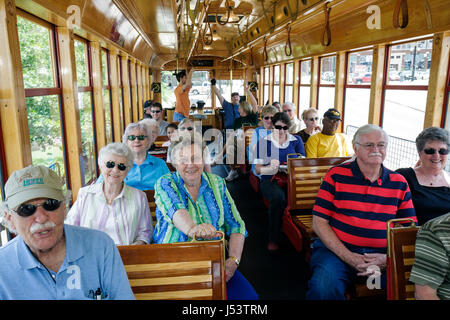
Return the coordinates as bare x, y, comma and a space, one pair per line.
358, 209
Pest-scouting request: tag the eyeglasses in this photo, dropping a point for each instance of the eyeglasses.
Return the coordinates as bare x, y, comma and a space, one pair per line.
380, 145
27, 210
112, 164
313, 119
285, 128
268, 118
155, 111
133, 137
441, 151
186, 128
288, 110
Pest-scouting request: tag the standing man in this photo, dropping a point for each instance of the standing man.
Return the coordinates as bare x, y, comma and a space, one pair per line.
353, 205
50, 260
230, 109
291, 110
183, 105
329, 143
156, 110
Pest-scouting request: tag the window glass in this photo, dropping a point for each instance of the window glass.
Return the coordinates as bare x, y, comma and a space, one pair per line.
326, 99
289, 73
357, 102
360, 67
288, 94
304, 98
276, 75
409, 64
201, 88
104, 69
225, 89
36, 54
276, 93
88, 163
328, 70
168, 84
266, 94
81, 63
108, 120
305, 77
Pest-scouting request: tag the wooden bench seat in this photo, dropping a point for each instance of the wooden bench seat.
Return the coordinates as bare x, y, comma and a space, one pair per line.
188, 270
152, 204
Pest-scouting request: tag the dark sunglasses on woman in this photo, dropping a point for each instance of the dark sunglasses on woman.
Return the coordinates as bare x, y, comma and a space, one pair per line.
285, 128
133, 137
441, 151
313, 119
112, 164
268, 118
186, 128
27, 210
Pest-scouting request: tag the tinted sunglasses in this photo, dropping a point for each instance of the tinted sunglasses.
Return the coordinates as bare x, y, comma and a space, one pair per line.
267, 118
441, 151
285, 128
112, 164
186, 128
313, 119
155, 111
27, 210
133, 137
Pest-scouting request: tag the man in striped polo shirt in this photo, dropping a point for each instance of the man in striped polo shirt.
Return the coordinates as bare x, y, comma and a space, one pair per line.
353, 204
431, 269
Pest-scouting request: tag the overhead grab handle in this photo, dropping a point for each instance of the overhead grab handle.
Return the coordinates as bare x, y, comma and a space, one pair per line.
326, 30
265, 50
287, 46
401, 4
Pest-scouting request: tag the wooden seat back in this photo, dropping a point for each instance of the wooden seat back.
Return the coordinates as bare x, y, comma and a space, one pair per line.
151, 203
159, 141
400, 259
305, 177
177, 271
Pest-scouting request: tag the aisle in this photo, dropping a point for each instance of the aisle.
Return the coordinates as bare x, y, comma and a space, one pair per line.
275, 276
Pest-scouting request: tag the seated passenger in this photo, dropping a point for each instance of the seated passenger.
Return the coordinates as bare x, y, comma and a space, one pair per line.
290, 109
156, 110
429, 182
271, 152
146, 168
430, 271
153, 126
277, 106
311, 118
50, 260
194, 203
112, 206
353, 205
170, 130
329, 143
247, 115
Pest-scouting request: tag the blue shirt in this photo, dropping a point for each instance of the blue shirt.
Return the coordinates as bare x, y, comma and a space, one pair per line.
144, 176
92, 261
257, 134
231, 113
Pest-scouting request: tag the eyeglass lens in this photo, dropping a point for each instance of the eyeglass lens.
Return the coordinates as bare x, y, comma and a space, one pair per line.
112, 164
27, 210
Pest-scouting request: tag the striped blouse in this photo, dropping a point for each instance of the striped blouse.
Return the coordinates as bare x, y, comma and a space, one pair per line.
214, 205
358, 209
126, 220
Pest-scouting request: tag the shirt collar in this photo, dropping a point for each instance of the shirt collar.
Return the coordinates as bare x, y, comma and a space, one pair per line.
97, 189
270, 137
357, 172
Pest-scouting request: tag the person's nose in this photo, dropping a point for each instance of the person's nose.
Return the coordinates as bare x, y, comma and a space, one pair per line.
41, 215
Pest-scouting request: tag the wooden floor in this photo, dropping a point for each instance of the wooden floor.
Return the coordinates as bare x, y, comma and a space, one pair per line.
279, 276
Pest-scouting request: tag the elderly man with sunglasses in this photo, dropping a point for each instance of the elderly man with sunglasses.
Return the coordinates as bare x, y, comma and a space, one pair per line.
112, 206
156, 112
48, 259
353, 205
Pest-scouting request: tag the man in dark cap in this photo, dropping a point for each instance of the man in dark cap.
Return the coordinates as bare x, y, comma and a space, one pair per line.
329, 143
147, 108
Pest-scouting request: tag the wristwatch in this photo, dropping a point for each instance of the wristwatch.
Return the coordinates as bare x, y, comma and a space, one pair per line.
236, 260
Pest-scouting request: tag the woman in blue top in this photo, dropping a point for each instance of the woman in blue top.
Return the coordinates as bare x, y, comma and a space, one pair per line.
271, 151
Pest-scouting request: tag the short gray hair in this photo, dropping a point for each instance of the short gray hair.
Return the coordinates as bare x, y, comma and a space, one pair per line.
368, 128
119, 149
184, 139
142, 127
432, 134
152, 123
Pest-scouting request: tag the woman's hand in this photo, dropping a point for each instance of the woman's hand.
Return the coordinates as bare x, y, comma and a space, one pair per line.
230, 268
204, 230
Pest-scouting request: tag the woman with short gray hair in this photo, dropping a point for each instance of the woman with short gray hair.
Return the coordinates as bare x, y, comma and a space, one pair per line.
428, 181
112, 206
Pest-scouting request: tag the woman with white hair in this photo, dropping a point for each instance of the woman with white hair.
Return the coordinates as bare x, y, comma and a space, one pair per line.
113, 207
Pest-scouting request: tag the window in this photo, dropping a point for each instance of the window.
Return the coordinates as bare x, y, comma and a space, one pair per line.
276, 84
304, 89
327, 81
42, 94
405, 90
201, 88
121, 103
357, 88
266, 86
289, 82
85, 104
225, 88
107, 97
168, 84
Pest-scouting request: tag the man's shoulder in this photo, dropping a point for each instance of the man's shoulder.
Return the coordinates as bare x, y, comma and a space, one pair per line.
438, 225
82, 234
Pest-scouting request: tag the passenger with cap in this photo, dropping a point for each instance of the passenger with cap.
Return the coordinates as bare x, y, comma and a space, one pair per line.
147, 106
49, 260
183, 104
328, 142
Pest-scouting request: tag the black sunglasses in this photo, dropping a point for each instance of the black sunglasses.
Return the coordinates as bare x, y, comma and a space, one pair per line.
133, 137
27, 210
186, 128
285, 128
312, 119
441, 151
112, 164
155, 111
267, 118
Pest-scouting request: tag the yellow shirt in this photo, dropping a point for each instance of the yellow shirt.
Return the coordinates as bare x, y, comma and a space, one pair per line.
321, 145
183, 105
